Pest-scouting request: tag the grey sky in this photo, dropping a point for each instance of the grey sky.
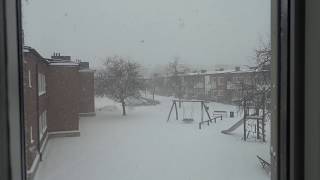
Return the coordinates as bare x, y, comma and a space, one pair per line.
152, 32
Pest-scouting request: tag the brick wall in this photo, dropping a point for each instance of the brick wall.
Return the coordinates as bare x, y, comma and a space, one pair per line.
30, 107
63, 91
68, 92
86, 91
42, 67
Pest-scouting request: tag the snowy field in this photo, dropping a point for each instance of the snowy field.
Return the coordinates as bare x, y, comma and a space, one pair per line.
143, 146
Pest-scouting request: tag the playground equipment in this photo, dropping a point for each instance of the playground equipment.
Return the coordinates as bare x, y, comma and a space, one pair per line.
190, 118
264, 164
204, 112
181, 101
252, 124
233, 127
220, 113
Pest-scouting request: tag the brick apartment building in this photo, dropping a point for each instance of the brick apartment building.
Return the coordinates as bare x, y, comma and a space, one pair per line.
219, 85
56, 92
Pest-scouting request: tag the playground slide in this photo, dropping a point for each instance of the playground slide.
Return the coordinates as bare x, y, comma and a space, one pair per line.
234, 127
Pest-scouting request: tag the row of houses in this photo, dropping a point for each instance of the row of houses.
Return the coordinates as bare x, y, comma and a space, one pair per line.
56, 92
219, 85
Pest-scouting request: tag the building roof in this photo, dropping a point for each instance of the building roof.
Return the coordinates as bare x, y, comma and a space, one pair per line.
57, 59
229, 71
28, 49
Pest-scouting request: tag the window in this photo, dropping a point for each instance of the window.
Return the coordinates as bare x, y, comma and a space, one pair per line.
237, 80
10, 169
42, 124
200, 44
41, 84
220, 80
213, 82
31, 135
29, 79
231, 85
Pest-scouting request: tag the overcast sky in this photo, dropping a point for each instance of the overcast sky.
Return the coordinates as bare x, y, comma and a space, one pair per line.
152, 32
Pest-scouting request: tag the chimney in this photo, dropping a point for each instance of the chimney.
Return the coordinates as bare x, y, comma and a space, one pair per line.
57, 56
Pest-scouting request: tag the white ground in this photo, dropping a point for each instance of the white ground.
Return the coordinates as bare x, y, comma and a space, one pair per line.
143, 146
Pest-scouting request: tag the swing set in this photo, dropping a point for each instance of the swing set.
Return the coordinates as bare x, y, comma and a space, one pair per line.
203, 107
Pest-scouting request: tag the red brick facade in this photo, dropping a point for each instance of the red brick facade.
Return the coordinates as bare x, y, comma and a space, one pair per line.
56, 92
86, 88
63, 87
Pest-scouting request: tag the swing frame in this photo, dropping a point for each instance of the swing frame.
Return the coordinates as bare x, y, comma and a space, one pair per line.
202, 106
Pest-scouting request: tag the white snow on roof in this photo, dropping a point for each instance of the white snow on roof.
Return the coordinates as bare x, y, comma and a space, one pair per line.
26, 50
219, 72
86, 70
64, 64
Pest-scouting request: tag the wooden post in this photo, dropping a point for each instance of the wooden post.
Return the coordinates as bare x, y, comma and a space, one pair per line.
208, 113
263, 118
201, 111
258, 129
170, 111
244, 120
175, 105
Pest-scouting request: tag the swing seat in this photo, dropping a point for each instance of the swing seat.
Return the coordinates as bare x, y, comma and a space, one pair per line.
188, 120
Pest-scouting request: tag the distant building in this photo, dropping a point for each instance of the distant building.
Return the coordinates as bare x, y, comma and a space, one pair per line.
56, 92
220, 85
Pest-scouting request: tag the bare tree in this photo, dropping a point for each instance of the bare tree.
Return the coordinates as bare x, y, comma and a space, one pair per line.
263, 81
119, 79
256, 92
154, 84
175, 70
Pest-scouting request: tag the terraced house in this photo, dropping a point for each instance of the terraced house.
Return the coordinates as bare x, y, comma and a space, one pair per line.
219, 85
56, 92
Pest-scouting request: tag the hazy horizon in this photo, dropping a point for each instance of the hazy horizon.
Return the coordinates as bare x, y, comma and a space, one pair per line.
151, 32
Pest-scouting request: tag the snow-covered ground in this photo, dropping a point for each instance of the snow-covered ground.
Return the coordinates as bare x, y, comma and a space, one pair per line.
143, 146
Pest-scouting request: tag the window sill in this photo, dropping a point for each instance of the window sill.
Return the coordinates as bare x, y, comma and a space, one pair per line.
42, 93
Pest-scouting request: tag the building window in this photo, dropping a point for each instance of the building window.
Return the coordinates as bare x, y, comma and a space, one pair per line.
220, 81
31, 135
237, 80
41, 84
213, 82
29, 79
42, 123
230, 85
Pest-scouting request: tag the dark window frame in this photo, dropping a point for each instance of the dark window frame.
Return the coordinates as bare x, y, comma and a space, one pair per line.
4, 124
288, 22
287, 43
11, 101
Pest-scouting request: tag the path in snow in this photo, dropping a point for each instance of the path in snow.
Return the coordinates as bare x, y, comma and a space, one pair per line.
143, 146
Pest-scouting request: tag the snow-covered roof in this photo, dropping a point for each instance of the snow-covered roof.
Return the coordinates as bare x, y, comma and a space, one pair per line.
28, 49
55, 62
64, 64
220, 72
58, 62
25, 50
86, 70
